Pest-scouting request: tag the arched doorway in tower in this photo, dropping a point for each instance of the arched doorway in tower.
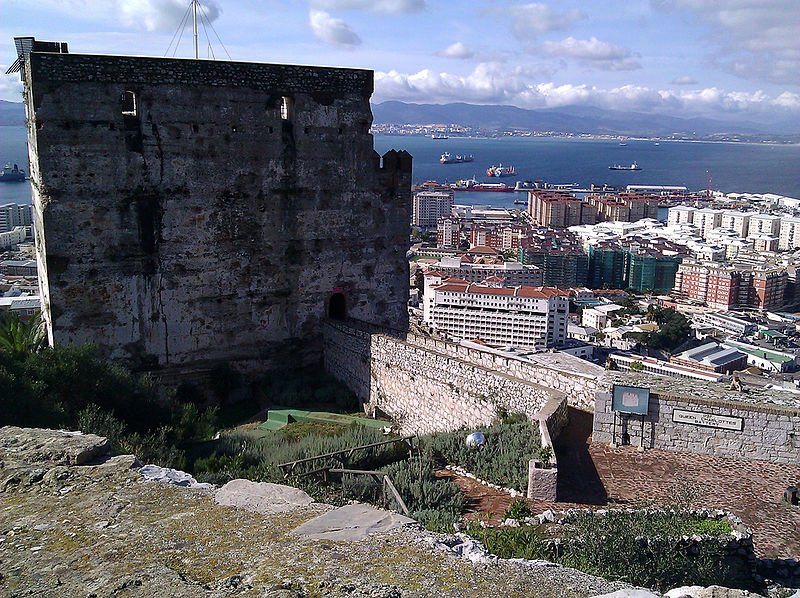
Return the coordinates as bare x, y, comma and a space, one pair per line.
337, 307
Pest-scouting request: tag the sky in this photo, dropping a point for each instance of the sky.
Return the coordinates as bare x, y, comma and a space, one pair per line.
736, 60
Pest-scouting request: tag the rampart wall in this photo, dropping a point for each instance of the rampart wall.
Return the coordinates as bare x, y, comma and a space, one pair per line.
422, 389
767, 432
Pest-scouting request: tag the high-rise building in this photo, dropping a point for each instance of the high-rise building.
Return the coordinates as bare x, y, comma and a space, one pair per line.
13, 215
429, 206
623, 207
789, 235
729, 287
558, 209
448, 232
560, 256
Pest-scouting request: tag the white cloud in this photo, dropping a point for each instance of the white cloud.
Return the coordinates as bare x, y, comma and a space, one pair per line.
492, 83
332, 30
162, 15
530, 20
384, 6
10, 86
147, 15
593, 52
456, 50
757, 39
684, 80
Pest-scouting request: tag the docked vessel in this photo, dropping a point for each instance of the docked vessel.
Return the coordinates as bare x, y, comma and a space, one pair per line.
524, 186
439, 136
497, 171
446, 158
633, 166
12, 174
520, 202
474, 185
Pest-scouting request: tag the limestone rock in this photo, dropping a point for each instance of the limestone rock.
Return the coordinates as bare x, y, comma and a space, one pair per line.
351, 522
720, 592
172, 476
684, 592
261, 497
629, 593
57, 447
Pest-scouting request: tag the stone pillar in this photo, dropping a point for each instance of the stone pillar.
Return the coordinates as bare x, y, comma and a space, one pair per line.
542, 481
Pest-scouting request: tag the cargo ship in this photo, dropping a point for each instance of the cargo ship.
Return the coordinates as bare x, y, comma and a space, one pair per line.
496, 171
633, 166
474, 185
12, 174
446, 158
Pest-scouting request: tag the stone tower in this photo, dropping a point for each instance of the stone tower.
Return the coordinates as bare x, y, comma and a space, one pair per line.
192, 212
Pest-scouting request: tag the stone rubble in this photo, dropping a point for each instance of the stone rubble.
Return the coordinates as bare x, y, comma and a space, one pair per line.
165, 475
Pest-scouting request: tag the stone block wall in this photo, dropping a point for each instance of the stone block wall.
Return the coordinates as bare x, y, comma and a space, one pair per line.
579, 388
423, 390
185, 218
770, 432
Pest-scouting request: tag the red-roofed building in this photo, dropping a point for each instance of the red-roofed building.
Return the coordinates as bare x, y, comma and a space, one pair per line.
521, 316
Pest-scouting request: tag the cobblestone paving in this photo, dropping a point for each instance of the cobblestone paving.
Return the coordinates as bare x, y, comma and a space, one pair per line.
594, 476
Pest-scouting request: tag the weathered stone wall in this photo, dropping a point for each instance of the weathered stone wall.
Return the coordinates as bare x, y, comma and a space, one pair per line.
578, 387
770, 432
424, 390
206, 227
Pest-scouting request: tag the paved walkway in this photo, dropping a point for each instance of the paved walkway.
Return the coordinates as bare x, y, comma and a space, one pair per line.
591, 475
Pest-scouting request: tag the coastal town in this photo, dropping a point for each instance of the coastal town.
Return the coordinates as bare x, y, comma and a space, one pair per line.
249, 354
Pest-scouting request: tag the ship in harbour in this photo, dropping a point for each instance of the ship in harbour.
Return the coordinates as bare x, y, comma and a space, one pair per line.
497, 171
12, 174
632, 166
439, 136
446, 158
474, 185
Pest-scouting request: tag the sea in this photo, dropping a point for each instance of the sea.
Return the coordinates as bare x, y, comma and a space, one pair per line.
733, 167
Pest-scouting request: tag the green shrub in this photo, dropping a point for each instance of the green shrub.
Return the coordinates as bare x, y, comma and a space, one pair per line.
523, 542
502, 460
423, 492
519, 509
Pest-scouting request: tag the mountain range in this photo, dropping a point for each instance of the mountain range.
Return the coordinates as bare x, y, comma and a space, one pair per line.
570, 119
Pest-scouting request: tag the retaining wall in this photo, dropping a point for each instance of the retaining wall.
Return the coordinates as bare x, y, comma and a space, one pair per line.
425, 390
768, 432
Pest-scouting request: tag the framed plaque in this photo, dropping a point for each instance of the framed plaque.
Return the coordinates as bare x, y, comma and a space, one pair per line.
630, 399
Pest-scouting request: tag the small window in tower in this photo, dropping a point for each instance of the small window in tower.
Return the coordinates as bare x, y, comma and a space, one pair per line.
287, 108
128, 103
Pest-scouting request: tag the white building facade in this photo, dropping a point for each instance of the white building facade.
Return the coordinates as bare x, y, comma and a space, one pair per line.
534, 317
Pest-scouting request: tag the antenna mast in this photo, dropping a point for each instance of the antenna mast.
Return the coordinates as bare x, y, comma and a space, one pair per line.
194, 22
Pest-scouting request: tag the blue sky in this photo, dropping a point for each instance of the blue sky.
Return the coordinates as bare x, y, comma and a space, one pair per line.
729, 59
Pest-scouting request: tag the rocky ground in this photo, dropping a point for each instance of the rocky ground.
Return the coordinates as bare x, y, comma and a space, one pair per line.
76, 521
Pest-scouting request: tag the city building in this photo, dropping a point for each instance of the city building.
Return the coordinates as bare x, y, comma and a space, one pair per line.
680, 215
448, 232
523, 316
724, 322
623, 207
466, 267
560, 256
712, 357
600, 316
727, 287
558, 209
13, 237
736, 221
429, 206
503, 237
13, 215
789, 234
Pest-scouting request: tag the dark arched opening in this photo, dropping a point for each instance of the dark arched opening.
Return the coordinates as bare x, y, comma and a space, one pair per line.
337, 307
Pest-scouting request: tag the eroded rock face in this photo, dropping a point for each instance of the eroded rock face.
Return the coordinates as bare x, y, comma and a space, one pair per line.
261, 497
101, 528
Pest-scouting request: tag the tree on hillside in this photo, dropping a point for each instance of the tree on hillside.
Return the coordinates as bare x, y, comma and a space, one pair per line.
674, 329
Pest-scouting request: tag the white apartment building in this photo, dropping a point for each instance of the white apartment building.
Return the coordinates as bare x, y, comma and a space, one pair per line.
707, 220
10, 238
738, 222
680, 215
514, 274
789, 235
534, 317
599, 316
429, 206
13, 215
448, 232
764, 224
